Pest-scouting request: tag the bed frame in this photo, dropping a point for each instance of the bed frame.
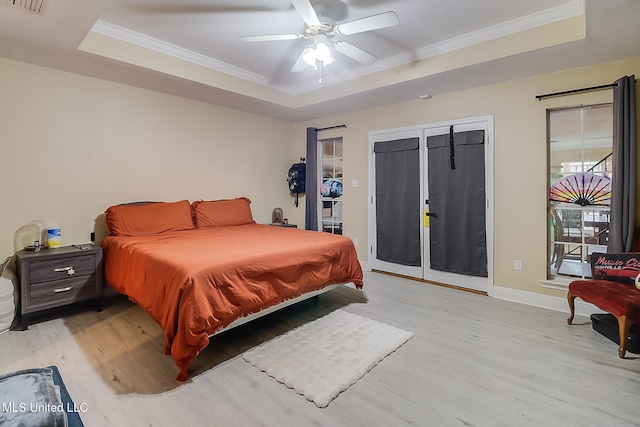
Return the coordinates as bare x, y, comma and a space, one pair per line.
274, 308
241, 321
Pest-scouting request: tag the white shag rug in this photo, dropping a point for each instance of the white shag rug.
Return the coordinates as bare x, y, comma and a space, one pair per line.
321, 359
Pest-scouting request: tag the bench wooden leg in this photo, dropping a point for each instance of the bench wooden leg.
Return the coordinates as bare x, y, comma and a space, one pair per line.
571, 300
624, 326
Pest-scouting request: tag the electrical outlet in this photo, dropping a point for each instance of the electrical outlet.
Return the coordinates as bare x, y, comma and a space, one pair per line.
517, 264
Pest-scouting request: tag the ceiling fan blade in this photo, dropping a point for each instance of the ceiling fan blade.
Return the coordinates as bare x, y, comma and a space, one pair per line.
300, 64
305, 9
375, 22
271, 38
354, 52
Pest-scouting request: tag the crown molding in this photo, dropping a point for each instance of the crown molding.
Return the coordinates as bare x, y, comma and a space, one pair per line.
565, 11
549, 16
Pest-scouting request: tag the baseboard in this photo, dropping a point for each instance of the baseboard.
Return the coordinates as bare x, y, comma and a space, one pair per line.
544, 301
529, 298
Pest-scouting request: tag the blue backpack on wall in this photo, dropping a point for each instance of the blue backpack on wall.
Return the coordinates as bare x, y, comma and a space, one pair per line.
296, 178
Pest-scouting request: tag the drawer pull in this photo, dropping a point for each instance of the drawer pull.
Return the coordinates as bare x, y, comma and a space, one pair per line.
59, 290
70, 270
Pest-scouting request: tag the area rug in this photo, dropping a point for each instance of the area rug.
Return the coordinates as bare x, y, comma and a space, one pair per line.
37, 397
321, 359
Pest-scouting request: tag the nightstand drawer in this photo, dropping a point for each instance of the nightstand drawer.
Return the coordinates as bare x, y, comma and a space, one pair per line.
47, 270
61, 292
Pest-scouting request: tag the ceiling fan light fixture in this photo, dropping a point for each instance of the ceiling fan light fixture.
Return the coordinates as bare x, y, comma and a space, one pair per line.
323, 31
318, 52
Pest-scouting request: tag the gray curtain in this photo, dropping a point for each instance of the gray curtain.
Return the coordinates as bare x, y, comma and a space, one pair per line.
458, 239
397, 183
623, 191
311, 181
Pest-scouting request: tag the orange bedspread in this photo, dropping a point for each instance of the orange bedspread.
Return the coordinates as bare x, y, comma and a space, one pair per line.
196, 282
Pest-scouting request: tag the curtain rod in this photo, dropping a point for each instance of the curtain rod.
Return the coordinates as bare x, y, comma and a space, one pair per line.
568, 92
331, 127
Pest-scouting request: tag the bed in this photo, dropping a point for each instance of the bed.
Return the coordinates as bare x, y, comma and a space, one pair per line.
199, 268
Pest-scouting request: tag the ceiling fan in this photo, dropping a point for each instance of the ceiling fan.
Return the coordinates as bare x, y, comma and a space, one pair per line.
324, 33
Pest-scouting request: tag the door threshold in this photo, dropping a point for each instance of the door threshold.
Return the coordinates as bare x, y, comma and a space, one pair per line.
431, 282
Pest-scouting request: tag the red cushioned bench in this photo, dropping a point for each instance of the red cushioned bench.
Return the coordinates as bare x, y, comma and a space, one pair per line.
618, 298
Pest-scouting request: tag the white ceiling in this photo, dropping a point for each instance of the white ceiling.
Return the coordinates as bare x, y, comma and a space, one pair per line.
193, 48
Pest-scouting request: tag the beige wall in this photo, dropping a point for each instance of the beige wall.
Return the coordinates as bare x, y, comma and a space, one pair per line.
519, 156
72, 146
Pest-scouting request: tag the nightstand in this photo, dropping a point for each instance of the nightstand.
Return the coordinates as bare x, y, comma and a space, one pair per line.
284, 225
56, 277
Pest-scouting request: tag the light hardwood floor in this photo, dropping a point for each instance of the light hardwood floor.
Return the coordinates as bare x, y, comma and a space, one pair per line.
474, 361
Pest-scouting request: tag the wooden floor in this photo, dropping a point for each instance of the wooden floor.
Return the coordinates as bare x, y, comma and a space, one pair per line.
474, 361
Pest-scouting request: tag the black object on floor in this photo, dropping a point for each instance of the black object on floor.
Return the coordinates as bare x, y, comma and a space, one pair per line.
607, 325
72, 409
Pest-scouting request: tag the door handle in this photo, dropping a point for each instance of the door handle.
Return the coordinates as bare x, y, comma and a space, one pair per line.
431, 214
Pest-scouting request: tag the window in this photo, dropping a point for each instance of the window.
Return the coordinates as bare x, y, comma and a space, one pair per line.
330, 200
579, 174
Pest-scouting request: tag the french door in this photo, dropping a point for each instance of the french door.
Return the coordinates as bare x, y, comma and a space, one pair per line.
455, 232
396, 174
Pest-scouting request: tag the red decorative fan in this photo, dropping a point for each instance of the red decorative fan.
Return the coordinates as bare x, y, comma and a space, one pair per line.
582, 189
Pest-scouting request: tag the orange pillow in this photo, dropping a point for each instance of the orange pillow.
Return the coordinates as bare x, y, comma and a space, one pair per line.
220, 213
150, 218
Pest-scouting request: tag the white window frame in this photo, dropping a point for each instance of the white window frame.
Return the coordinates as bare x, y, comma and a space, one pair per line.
555, 279
335, 223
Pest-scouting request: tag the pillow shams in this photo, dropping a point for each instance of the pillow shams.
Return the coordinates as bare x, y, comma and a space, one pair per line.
151, 218
221, 213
